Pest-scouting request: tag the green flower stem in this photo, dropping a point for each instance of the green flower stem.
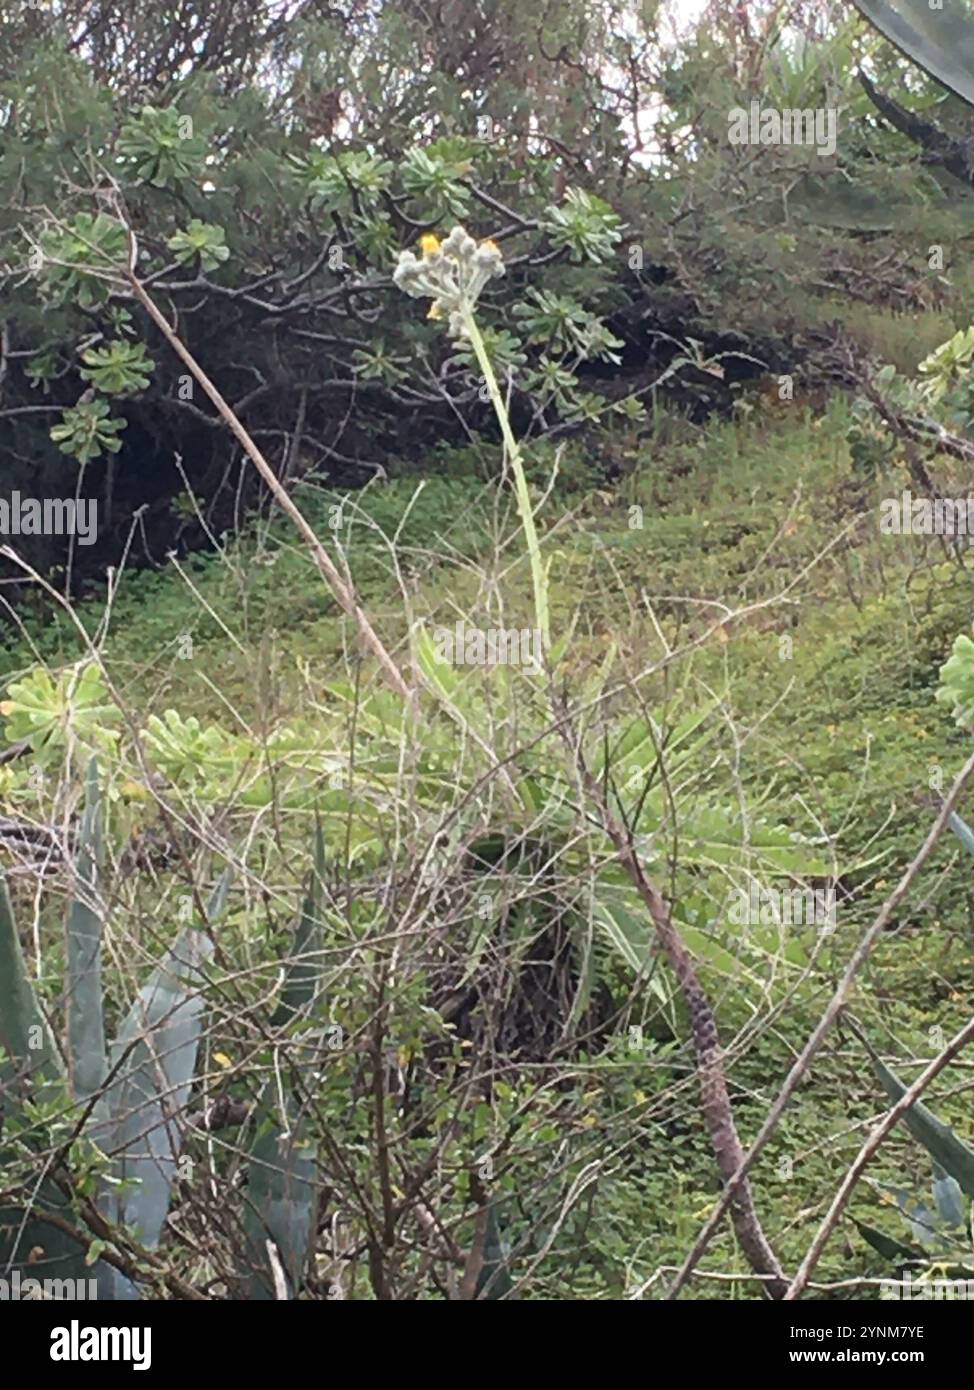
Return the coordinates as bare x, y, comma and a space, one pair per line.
538, 576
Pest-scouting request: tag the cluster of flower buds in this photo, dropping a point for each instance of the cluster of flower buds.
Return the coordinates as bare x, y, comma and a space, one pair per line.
451, 273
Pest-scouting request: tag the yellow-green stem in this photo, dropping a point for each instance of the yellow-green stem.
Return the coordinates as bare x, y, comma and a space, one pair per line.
538, 576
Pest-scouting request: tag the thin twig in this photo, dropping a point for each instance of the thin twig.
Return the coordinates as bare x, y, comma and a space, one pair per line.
831, 1013
839, 1201
342, 591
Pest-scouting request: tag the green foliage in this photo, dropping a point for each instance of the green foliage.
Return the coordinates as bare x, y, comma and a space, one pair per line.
871, 447
741, 773
503, 348
941, 1232
88, 429
377, 363
41, 369
210, 759
957, 682
201, 239
585, 226
342, 182
947, 1151
939, 398
142, 1082
949, 360
859, 710
117, 369
561, 324
162, 147
75, 258
435, 182
352, 137
948, 381
55, 714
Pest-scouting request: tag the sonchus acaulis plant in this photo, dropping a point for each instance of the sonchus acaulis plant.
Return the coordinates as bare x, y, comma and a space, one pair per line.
453, 273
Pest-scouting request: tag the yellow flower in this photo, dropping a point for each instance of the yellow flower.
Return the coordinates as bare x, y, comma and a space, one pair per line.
134, 791
490, 245
429, 244
435, 312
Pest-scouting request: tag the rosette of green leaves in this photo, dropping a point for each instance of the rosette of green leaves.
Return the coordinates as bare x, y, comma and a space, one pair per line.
957, 682
434, 180
118, 368
161, 143
584, 226
87, 430
73, 255
54, 712
947, 380
561, 325
42, 368
202, 239
346, 182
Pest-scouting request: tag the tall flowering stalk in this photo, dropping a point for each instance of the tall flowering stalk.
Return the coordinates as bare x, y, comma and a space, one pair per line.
452, 273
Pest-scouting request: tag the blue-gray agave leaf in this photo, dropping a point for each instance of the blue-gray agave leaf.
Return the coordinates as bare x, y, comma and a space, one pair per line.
281, 1189
151, 1068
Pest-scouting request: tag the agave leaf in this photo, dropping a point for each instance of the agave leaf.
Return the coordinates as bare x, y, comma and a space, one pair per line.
24, 1035
633, 940
87, 1065
923, 1222
281, 1189
948, 1198
86, 1048
494, 1281
939, 1140
152, 1066
887, 1246
281, 1200
941, 41
963, 831
302, 972
151, 1071
29, 1052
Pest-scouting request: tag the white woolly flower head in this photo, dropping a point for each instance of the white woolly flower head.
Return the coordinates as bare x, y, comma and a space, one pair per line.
451, 272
